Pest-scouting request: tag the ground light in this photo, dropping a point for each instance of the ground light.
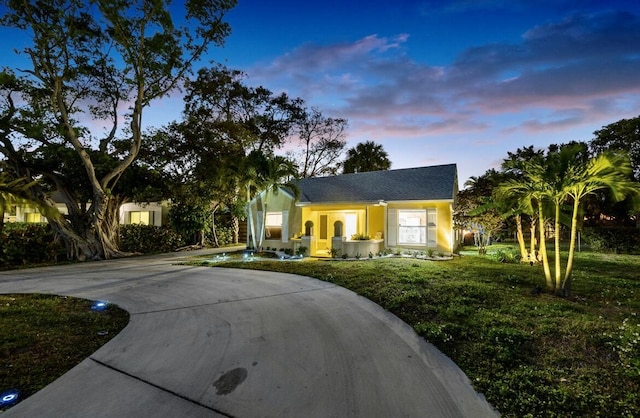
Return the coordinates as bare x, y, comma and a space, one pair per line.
99, 306
9, 398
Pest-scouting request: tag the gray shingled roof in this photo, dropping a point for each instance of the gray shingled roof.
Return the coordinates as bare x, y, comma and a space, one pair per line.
421, 183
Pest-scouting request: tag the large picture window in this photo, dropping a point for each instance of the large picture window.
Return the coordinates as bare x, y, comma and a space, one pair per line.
417, 227
273, 225
412, 227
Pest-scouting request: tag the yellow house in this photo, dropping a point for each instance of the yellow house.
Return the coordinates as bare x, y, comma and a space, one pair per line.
407, 208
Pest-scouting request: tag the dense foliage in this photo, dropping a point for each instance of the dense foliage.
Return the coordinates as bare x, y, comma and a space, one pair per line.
615, 239
148, 239
90, 64
26, 244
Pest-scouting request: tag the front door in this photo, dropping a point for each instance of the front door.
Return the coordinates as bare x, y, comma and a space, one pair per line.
327, 227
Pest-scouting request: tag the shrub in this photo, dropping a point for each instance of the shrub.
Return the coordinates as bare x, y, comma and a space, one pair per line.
148, 239
302, 250
507, 256
23, 244
360, 237
224, 234
613, 239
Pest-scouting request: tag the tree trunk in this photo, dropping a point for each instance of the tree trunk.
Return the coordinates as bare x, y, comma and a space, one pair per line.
91, 236
216, 243
566, 284
558, 266
523, 248
533, 253
235, 227
543, 252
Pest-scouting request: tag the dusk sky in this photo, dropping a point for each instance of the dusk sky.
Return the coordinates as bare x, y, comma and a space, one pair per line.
443, 82
448, 82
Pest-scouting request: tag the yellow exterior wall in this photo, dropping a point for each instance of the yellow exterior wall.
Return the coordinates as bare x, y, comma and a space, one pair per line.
376, 218
444, 222
373, 219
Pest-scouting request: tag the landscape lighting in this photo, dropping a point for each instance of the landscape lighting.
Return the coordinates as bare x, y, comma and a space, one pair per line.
99, 306
9, 397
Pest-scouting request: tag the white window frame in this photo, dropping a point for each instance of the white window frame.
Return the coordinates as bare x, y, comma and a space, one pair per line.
426, 231
408, 229
277, 220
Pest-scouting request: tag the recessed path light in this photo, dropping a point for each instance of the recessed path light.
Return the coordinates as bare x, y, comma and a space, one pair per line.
9, 397
99, 305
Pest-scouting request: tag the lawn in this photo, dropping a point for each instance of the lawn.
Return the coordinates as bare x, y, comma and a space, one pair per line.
530, 354
43, 336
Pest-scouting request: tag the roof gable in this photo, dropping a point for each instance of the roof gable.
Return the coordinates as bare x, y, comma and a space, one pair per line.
421, 183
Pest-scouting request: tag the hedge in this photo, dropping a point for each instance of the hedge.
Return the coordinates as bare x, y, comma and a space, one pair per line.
149, 239
29, 243
619, 240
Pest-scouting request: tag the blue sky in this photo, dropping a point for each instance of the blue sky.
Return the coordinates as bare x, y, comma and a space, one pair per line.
448, 82
439, 82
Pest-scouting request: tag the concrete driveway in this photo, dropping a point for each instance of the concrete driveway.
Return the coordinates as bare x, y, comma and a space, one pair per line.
214, 342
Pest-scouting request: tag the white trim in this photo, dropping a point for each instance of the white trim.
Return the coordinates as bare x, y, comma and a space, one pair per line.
285, 226
392, 227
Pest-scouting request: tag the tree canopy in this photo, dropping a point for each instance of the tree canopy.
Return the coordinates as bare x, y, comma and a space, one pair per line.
366, 156
94, 64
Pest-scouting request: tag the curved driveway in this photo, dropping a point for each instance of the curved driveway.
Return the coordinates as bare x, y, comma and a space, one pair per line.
214, 342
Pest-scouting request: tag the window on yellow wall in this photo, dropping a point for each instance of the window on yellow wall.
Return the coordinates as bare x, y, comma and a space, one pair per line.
273, 225
141, 217
412, 227
34, 217
417, 227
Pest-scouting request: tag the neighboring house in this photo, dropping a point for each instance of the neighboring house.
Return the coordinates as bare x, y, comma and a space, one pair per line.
407, 208
151, 213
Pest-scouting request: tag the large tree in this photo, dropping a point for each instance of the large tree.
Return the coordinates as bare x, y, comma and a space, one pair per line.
366, 156
322, 142
95, 64
243, 117
623, 135
475, 212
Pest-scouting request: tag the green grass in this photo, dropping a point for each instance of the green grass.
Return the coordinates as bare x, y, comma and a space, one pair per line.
43, 336
530, 355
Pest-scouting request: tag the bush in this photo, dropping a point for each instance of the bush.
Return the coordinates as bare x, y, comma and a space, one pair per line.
149, 239
507, 256
619, 240
360, 237
224, 234
24, 244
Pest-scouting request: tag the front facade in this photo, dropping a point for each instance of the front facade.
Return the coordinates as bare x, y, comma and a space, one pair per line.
408, 209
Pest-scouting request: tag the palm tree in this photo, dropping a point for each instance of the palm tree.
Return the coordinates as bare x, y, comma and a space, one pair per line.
278, 172
606, 171
259, 172
563, 176
367, 156
528, 190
